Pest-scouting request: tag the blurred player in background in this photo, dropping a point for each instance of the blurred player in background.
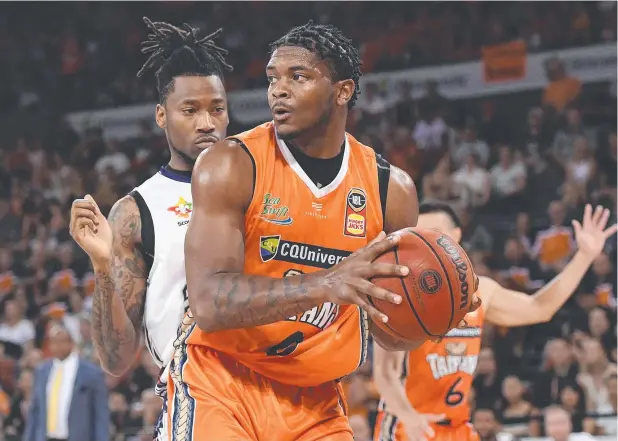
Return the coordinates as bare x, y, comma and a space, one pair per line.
425, 391
138, 254
279, 314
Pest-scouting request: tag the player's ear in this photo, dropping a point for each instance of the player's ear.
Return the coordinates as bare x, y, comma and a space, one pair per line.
345, 90
160, 116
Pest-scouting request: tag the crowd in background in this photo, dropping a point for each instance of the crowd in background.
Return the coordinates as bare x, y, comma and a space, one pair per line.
517, 168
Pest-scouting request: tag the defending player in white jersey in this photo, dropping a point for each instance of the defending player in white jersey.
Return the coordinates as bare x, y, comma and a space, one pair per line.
138, 253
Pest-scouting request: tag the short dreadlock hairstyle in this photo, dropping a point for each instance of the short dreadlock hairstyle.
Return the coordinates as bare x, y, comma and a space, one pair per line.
328, 43
180, 52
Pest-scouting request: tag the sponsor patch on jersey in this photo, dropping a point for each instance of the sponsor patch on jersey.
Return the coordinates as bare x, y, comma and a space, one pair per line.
182, 209
474, 332
274, 212
355, 213
275, 248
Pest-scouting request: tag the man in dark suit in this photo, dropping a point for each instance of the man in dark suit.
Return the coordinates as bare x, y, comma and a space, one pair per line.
69, 396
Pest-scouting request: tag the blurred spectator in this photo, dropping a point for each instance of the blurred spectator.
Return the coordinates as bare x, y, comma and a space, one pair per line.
508, 180
470, 145
558, 426
487, 384
563, 146
15, 328
472, 182
595, 367
15, 422
523, 232
609, 425
560, 371
516, 411
487, 425
573, 400
554, 245
437, 184
562, 89
69, 401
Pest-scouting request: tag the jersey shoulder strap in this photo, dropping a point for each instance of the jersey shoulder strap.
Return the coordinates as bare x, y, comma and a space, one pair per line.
384, 174
147, 245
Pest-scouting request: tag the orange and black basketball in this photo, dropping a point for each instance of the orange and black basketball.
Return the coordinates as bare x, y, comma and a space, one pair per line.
438, 291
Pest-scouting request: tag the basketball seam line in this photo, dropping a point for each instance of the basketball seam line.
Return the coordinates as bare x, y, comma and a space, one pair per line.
448, 280
405, 290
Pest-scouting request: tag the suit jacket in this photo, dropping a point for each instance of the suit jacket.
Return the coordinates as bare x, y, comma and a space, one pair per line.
89, 418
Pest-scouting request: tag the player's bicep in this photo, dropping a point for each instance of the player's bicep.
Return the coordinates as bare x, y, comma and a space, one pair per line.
129, 269
401, 202
222, 185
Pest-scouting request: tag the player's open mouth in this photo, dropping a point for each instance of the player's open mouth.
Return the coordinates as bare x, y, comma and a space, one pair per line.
281, 113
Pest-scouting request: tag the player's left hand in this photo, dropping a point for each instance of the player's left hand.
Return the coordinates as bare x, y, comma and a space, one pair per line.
591, 234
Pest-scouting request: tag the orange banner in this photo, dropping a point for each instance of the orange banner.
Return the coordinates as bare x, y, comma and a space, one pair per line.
504, 62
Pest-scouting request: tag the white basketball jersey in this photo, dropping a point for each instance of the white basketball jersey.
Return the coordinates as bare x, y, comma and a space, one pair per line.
168, 203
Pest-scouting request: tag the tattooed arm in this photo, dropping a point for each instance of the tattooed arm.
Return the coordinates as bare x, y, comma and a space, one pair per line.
220, 295
120, 278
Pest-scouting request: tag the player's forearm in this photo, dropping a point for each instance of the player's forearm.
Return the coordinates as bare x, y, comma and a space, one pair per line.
393, 393
233, 300
549, 299
113, 334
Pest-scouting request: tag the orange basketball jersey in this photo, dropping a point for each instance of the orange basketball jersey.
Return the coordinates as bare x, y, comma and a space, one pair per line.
292, 226
438, 376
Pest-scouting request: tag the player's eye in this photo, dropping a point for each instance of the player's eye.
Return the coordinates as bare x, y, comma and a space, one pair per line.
298, 77
271, 79
219, 109
188, 111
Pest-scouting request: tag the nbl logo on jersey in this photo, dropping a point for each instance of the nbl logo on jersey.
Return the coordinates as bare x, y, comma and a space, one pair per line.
356, 213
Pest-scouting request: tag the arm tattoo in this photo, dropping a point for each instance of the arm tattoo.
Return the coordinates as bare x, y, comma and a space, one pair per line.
118, 299
242, 301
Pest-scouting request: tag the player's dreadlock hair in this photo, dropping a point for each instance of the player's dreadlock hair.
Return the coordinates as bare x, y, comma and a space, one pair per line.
179, 51
328, 43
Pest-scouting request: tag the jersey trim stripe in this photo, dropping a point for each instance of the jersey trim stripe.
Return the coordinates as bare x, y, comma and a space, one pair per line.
295, 166
388, 427
147, 245
364, 334
246, 149
384, 174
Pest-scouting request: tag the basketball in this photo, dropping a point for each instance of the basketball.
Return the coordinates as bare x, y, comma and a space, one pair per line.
437, 292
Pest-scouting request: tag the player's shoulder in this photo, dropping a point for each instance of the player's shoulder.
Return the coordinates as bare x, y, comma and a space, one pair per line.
123, 209
262, 132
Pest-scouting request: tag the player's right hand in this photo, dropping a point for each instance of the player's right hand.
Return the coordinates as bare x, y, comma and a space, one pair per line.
348, 282
418, 425
90, 230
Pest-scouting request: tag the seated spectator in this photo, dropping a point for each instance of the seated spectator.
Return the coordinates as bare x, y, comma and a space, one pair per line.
472, 183
536, 139
15, 422
508, 181
602, 281
437, 184
562, 89
560, 370
573, 200
516, 410
581, 166
15, 328
564, 140
554, 246
523, 232
595, 366
558, 426
405, 154
573, 400
487, 425
475, 237
601, 330
470, 145
487, 383
520, 269
608, 425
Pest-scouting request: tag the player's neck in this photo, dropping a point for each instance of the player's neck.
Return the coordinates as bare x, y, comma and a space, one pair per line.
178, 164
325, 141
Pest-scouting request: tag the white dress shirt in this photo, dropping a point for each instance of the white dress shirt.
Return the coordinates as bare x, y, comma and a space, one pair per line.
69, 371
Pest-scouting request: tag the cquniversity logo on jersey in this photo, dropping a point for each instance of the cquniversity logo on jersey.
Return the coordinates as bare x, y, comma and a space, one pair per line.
274, 212
268, 247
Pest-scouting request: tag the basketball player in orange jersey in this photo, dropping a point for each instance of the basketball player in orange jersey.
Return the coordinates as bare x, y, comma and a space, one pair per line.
425, 391
277, 314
